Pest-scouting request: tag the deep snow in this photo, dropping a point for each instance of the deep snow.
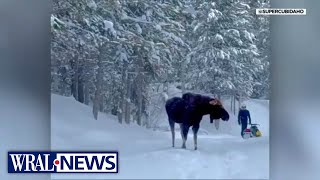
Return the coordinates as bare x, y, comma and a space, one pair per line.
145, 153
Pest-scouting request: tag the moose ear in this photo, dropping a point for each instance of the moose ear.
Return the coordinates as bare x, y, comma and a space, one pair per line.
213, 102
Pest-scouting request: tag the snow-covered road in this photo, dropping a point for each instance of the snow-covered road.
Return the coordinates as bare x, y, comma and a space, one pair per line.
147, 154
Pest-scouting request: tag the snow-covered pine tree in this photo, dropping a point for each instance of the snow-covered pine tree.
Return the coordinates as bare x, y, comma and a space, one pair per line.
262, 26
226, 55
109, 54
155, 27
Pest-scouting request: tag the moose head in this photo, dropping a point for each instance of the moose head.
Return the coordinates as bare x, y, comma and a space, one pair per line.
217, 110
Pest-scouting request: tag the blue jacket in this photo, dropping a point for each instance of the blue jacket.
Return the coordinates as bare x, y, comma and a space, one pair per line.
243, 116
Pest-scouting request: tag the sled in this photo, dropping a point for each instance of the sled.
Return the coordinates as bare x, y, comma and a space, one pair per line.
251, 132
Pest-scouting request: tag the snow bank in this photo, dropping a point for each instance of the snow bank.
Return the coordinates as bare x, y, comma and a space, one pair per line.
73, 122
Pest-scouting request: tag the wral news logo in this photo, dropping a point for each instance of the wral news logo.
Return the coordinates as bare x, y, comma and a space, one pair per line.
63, 162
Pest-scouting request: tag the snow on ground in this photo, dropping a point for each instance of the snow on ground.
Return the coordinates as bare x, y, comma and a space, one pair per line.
145, 153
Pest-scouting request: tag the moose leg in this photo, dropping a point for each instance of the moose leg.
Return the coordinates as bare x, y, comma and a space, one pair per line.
171, 123
184, 134
195, 129
181, 132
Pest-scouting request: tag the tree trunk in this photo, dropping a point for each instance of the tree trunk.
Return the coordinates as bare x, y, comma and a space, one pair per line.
182, 78
86, 94
75, 79
81, 91
139, 87
122, 103
139, 99
115, 100
166, 85
127, 101
234, 104
101, 106
239, 102
231, 98
97, 97
96, 104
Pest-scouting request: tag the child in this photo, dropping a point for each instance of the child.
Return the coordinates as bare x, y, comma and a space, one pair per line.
243, 117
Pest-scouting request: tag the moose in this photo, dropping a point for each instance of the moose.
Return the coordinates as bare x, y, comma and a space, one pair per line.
188, 111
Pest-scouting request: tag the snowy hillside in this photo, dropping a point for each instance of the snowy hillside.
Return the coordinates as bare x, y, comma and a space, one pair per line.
148, 154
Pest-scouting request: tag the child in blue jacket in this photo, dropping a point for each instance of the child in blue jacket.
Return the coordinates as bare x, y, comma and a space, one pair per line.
243, 117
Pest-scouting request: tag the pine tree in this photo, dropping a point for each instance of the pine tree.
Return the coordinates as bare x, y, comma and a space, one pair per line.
111, 54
